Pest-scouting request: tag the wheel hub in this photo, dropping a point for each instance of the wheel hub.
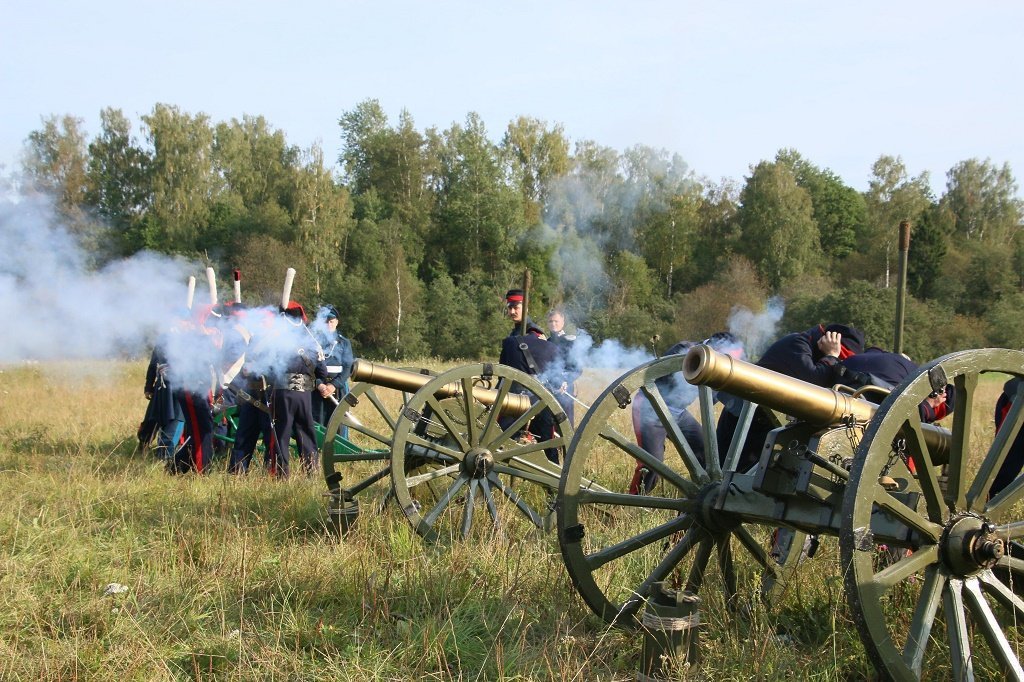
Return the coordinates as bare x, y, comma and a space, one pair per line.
970, 545
478, 462
713, 519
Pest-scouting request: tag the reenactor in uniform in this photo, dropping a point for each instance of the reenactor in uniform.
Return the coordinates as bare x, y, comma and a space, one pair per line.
563, 377
527, 349
199, 380
250, 389
164, 409
302, 372
815, 356
338, 357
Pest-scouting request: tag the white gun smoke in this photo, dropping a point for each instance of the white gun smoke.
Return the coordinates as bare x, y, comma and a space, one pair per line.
55, 307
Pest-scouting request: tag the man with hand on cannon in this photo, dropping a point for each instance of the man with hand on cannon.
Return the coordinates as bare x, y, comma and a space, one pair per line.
527, 349
338, 357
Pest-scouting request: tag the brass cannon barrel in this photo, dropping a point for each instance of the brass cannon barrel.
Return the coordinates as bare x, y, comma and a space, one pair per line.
704, 366
408, 381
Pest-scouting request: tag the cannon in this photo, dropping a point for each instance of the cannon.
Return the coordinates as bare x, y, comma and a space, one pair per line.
454, 446
930, 558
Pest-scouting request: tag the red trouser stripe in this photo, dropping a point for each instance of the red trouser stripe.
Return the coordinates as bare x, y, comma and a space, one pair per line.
197, 442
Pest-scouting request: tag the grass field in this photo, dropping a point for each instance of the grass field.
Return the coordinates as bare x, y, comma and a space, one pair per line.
113, 570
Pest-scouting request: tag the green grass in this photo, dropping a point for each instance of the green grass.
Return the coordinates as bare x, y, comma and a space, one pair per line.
240, 578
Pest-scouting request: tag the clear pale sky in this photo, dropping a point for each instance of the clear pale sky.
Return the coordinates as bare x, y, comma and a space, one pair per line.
724, 84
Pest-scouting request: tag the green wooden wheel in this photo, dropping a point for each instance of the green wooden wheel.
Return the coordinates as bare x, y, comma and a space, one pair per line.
454, 461
945, 598
355, 463
617, 545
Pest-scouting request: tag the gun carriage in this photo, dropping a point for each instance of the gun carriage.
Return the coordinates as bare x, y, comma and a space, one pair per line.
452, 446
929, 557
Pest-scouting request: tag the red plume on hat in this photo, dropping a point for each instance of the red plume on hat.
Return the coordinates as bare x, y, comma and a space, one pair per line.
295, 309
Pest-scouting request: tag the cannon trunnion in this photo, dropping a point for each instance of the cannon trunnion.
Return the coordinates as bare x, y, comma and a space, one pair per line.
922, 540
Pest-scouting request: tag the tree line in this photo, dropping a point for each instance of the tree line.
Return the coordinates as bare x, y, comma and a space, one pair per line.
418, 233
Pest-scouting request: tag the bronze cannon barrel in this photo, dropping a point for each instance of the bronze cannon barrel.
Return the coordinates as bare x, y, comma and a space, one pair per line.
409, 381
704, 366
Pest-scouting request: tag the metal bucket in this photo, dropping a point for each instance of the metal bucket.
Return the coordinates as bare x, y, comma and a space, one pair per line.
343, 514
670, 627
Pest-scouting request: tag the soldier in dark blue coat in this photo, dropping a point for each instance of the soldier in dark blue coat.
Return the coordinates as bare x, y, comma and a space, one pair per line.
338, 358
877, 367
814, 356
163, 410
532, 353
562, 377
301, 372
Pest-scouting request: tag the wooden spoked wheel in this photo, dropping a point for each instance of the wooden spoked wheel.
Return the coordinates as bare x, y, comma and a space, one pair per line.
616, 545
354, 462
457, 459
931, 570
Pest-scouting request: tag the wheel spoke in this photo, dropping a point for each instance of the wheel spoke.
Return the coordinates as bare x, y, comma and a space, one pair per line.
667, 473
368, 432
472, 409
451, 427
726, 567
739, 435
956, 631
382, 410
928, 603
514, 497
957, 471
756, 550
491, 422
1006, 499
929, 529
1003, 594
527, 448
663, 569
541, 478
907, 566
438, 451
673, 432
638, 501
1010, 531
699, 567
926, 478
445, 500
712, 463
986, 621
467, 509
629, 545
492, 509
978, 495
367, 482
518, 425
413, 481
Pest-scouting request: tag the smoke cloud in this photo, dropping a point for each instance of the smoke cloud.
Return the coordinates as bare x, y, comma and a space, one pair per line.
757, 330
54, 307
